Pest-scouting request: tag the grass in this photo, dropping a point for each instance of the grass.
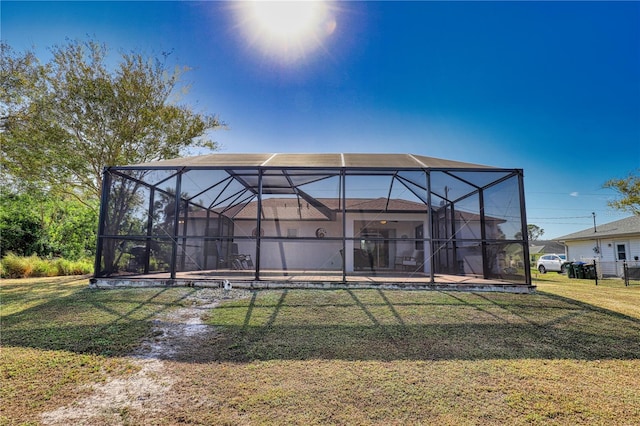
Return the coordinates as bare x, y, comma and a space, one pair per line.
610, 293
58, 336
569, 354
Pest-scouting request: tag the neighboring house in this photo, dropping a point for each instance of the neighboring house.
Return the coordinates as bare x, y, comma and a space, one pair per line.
611, 244
538, 248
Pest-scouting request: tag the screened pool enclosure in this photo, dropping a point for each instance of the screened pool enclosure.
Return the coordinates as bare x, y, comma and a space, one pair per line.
313, 217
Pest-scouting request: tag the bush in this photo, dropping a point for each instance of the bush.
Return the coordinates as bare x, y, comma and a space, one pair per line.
75, 267
16, 266
13, 266
42, 267
63, 266
47, 225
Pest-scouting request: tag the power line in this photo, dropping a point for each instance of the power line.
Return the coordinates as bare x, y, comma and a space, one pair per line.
543, 223
578, 194
561, 217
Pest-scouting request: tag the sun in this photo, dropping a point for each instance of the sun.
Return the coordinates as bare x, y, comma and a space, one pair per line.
284, 21
286, 30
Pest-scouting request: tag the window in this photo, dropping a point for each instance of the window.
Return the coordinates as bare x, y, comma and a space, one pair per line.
621, 252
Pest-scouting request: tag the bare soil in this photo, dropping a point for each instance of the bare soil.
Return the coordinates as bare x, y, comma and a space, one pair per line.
174, 335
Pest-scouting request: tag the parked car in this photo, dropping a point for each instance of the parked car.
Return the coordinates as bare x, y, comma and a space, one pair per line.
552, 262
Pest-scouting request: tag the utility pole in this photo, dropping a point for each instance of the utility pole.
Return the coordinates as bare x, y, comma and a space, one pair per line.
594, 222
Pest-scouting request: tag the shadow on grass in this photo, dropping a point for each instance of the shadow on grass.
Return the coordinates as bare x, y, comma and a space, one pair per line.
337, 324
388, 325
111, 323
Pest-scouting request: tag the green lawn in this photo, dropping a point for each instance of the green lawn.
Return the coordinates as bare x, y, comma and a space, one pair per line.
609, 294
58, 336
569, 354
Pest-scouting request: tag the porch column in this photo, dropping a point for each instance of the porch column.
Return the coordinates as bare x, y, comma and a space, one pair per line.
258, 225
347, 229
176, 223
483, 237
525, 234
104, 201
428, 252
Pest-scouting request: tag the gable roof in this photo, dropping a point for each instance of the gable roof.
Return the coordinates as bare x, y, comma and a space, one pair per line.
629, 226
545, 246
294, 209
327, 208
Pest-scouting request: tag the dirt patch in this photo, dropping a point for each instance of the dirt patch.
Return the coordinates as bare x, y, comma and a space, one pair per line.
174, 335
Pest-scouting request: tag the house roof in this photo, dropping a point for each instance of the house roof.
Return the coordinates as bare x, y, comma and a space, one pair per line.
623, 227
545, 246
327, 208
289, 209
399, 161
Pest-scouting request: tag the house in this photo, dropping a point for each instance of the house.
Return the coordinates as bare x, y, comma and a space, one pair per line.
337, 217
538, 248
389, 240
610, 244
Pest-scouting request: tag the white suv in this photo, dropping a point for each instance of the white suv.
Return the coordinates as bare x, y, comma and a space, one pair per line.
552, 262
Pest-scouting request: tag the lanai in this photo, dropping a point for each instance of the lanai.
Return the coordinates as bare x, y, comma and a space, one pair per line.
263, 220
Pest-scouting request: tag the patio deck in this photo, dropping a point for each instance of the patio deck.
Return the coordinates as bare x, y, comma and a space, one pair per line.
313, 280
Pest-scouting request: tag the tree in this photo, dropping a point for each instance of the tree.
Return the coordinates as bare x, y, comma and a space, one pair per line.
63, 121
22, 230
629, 190
533, 232
72, 227
37, 223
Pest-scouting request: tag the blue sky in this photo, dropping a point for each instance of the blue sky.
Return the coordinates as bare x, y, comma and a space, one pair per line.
549, 87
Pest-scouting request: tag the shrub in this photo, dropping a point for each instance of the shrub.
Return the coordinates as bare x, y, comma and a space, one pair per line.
83, 267
63, 266
13, 266
42, 267
76, 267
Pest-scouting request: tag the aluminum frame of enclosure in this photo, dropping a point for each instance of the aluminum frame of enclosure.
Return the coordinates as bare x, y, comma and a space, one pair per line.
312, 216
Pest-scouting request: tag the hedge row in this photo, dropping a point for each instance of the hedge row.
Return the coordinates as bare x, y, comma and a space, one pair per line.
12, 266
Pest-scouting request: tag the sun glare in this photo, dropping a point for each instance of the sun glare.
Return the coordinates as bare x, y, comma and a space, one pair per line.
286, 30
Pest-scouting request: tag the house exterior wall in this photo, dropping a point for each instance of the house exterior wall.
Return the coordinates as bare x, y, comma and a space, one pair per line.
320, 254
583, 250
401, 226
325, 253
634, 247
580, 250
